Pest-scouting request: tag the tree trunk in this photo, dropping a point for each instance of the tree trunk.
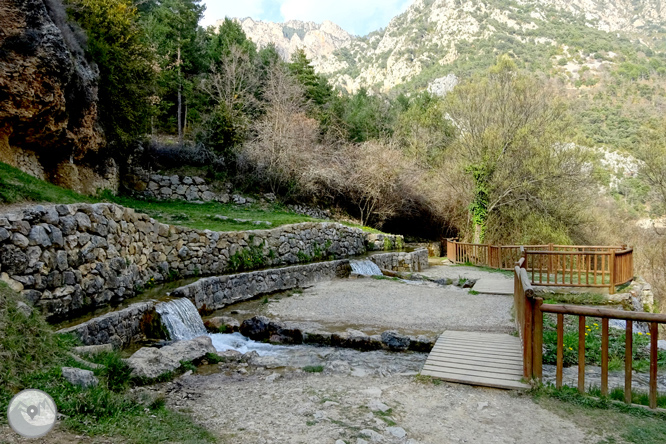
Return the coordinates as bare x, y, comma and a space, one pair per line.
180, 101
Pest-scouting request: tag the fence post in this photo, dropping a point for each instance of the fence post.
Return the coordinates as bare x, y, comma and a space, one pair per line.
537, 338
611, 266
524, 257
550, 263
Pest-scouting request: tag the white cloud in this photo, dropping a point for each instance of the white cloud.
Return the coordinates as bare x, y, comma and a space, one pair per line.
356, 16
218, 9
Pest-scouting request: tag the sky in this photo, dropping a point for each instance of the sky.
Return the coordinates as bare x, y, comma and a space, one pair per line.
358, 17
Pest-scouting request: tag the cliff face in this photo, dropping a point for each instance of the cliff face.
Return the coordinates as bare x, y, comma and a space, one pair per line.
319, 41
48, 99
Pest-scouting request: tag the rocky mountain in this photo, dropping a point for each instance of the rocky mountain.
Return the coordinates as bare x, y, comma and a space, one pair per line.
434, 38
318, 40
579, 41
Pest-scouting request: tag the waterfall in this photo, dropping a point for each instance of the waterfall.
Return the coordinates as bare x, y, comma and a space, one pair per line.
181, 319
365, 268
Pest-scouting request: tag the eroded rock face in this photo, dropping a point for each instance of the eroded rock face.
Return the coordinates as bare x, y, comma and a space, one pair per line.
48, 98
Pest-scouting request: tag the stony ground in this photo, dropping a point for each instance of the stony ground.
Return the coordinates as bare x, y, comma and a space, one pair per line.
249, 404
388, 304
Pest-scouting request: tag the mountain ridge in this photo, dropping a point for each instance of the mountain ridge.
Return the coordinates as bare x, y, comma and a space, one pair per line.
433, 33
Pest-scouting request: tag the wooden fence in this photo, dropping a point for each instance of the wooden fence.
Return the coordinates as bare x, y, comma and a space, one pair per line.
529, 321
556, 265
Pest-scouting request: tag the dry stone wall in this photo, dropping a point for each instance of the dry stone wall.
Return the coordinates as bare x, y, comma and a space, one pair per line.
217, 292
128, 325
119, 328
402, 261
70, 258
158, 187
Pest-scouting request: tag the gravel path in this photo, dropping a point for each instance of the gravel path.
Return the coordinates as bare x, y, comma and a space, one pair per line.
388, 304
458, 271
325, 408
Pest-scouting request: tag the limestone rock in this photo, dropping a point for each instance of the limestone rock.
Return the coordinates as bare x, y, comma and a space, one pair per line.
92, 349
48, 117
214, 324
77, 376
151, 362
24, 309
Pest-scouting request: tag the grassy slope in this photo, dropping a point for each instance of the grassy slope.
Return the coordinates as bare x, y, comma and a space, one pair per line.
31, 356
614, 422
17, 187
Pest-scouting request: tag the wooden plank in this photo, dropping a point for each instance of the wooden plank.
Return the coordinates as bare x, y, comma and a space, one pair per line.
487, 382
511, 375
475, 363
468, 336
488, 352
486, 335
473, 342
479, 357
472, 373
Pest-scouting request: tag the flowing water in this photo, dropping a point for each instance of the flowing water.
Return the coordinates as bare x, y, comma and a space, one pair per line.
181, 319
365, 268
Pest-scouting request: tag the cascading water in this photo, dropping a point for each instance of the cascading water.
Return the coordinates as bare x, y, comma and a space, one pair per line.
181, 319
365, 268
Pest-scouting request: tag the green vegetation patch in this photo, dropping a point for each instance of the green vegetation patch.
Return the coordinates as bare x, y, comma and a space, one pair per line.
613, 421
17, 186
31, 356
616, 345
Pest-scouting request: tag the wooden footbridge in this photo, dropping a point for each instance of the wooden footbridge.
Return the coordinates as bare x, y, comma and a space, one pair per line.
510, 362
488, 359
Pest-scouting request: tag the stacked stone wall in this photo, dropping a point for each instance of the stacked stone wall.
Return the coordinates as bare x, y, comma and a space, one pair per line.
124, 326
71, 258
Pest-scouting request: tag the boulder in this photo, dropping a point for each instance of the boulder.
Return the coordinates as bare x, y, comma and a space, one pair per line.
216, 323
256, 328
151, 362
395, 341
79, 377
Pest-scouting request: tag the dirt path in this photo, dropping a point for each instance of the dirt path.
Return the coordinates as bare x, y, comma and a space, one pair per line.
332, 408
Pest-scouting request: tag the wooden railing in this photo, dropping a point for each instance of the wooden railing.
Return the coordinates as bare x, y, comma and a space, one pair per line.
556, 265
529, 321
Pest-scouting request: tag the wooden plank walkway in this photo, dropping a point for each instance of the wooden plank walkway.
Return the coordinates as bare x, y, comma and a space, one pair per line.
487, 359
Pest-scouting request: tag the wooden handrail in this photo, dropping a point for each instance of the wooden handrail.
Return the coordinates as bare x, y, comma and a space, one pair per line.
578, 310
529, 321
559, 265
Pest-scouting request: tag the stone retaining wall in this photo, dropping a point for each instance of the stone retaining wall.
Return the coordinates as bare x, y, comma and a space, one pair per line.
128, 325
387, 242
159, 187
119, 328
217, 292
402, 261
68, 258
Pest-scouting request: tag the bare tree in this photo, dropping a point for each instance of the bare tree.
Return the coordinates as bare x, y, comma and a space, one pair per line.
286, 148
374, 175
